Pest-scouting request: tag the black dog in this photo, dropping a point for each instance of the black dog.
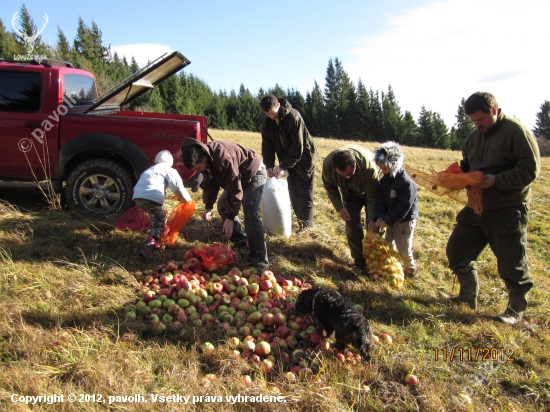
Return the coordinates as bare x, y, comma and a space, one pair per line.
335, 313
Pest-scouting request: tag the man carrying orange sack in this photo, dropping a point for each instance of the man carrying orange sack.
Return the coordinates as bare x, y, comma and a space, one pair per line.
507, 153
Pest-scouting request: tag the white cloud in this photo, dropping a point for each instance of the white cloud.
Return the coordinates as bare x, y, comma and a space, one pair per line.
143, 53
437, 54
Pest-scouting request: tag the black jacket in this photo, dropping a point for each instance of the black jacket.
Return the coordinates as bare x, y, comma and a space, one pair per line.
299, 154
396, 199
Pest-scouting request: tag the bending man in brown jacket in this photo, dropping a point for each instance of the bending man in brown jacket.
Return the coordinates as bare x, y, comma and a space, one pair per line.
241, 173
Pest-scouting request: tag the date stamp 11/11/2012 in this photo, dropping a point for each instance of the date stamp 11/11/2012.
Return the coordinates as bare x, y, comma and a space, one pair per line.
474, 354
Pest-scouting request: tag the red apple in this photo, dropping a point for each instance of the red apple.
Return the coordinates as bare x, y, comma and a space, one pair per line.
411, 379
262, 348
266, 365
266, 285
385, 338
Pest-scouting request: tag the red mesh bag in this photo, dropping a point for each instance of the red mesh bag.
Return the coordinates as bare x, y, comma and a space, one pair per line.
178, 218
134, 218
215, 257
451, 183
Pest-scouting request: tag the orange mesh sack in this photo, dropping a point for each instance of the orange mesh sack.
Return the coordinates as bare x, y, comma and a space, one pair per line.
178, 218
216, 257
134, 218
451, 183
383, 261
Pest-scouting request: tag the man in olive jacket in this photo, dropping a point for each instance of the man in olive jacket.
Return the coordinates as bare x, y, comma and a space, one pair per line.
508, 155
351, 178
284, 133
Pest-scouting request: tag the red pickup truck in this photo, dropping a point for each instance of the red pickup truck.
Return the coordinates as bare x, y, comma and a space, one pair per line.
54, 126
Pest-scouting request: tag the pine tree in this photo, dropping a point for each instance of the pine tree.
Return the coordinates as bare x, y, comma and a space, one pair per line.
296, 99
246, 117
315, 111
134, 67
277, 91
542, 123
89, 46
27, 26
8, 45
339, 91
217, 116
171, 93
432, 131
363, 113
464, 127
376, 117
410, 129
392, 117
232, 102
63, 49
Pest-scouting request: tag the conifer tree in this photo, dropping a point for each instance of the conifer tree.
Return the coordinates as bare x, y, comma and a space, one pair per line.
464, 127
8, 45
410, 129
27, 26
542, 122
63, 48
375, 117
363, 113
232, 102
392, 117
247, 114
315, 111
217, 116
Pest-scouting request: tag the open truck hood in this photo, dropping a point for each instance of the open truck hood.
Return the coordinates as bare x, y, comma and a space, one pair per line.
140, 82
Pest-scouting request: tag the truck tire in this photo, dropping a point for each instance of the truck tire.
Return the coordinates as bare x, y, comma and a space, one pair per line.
100, 187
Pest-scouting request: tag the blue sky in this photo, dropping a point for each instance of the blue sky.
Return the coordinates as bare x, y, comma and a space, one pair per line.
433, 53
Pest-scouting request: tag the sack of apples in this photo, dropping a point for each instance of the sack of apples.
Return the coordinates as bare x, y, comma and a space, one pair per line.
383, 262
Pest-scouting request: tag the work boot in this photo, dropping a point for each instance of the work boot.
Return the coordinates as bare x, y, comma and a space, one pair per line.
517, 303
150, 245
410, 273
469, 289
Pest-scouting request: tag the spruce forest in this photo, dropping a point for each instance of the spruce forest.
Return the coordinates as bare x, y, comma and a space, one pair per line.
341, 109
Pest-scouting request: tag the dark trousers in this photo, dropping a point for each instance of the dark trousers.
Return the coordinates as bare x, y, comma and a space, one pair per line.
505, 231
354, 230
253, 233
301, 198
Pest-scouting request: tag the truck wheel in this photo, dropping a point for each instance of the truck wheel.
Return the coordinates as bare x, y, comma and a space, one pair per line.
100, 187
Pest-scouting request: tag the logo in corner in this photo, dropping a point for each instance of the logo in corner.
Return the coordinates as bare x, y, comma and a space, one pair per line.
29, 40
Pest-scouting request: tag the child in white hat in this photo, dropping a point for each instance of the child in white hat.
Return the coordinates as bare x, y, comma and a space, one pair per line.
149, 194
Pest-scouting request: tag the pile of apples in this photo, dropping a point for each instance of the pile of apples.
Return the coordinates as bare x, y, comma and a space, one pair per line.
382, 260
255, 310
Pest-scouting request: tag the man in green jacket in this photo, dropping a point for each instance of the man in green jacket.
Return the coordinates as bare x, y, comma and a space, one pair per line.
508, 155
351, 178
284, 133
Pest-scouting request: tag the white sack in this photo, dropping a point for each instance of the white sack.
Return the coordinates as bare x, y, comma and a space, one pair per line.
275, 207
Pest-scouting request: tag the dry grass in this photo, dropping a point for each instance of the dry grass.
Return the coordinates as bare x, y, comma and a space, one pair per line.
64, 282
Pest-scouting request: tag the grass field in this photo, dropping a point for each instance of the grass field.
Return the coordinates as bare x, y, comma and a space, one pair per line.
64, 281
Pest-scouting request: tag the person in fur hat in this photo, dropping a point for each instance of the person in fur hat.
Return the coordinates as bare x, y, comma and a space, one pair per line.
149, 193
396, 203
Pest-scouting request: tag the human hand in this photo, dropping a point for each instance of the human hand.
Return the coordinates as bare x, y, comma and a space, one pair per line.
381, 223
371, 225
207, 215
270, 172
278, 172
228, 228
344, 214
487, 181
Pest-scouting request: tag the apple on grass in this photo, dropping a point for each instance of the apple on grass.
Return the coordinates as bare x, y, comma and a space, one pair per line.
411, 379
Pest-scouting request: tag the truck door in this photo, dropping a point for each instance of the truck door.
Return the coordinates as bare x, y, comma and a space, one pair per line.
24, 151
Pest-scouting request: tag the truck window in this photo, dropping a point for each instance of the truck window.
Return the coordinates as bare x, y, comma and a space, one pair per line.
79, 88
20, 92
